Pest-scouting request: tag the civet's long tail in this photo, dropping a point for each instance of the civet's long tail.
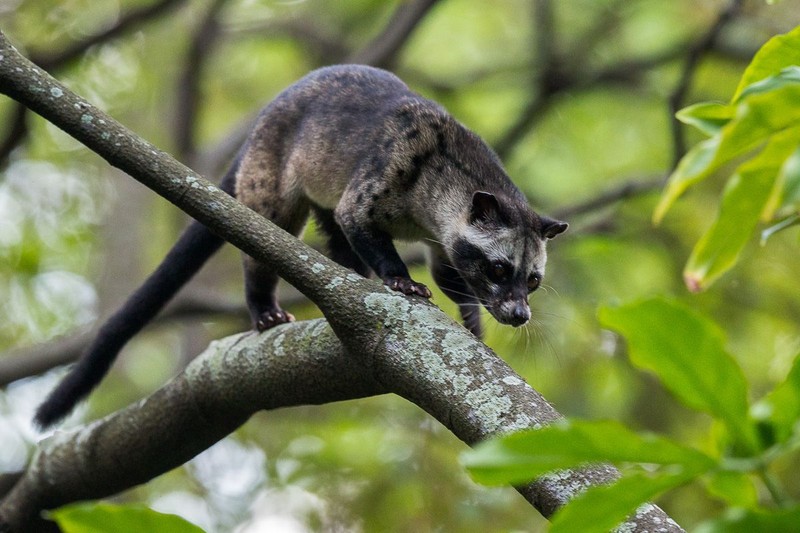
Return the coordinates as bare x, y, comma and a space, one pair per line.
193, 249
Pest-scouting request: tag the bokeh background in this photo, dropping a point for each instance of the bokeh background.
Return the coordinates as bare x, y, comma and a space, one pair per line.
576, 96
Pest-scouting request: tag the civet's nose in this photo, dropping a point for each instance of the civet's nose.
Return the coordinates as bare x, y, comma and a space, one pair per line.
521, 314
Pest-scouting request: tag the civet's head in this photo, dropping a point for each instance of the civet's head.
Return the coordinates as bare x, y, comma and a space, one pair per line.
501, 254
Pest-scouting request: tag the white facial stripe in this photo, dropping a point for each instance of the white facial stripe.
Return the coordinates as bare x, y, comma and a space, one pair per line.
523, 254
495, 246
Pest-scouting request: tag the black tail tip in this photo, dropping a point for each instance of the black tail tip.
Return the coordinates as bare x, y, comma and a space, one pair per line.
48, 414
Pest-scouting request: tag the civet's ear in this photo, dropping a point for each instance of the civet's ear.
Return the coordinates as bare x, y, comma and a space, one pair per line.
552, 227
485, 208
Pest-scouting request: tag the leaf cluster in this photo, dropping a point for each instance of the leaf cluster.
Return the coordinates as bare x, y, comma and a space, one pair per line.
758, 132
686, 351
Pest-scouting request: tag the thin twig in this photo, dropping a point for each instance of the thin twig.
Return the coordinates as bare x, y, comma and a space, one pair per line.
53, 61
34, 360
696, 52
16, 132
619, 192
383, 49
188, 87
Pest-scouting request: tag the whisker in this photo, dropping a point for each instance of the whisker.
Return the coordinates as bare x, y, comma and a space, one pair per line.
440, 243
548, 288
467, 295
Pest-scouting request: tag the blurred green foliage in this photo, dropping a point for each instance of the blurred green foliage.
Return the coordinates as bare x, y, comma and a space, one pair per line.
686, 351
381, 464
762, 120
104, 517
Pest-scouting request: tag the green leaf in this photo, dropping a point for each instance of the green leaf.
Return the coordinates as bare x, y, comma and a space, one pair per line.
788, 192
745, 198
708, 117
686, 351
781, 407
786, 223
787, 77
599, 509
770, 106
763, 113
691, 169
742, 521
735, 488
104, 517
524, 455
778, 53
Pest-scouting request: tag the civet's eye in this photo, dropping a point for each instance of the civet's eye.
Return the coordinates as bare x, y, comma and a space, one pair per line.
534, 281
499, 272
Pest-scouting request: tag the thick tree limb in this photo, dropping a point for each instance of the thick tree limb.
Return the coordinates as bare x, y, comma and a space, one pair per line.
217, 393
404, 345
296, 364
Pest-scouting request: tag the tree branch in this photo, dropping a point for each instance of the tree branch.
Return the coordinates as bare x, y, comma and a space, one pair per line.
379, 52
188, 88
217, 393
695, 53
382, 50
244, 373
626, 189
52, 61
403, 344
34, 360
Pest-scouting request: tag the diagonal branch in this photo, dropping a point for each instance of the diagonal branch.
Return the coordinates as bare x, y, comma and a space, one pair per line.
382, 50
49, 61
130, 20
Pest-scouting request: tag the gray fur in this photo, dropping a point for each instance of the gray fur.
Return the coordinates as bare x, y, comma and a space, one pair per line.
374, 162
389, 164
